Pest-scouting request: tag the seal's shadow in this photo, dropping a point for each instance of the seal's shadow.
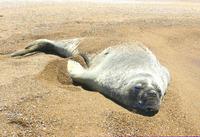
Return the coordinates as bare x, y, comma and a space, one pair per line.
133, 110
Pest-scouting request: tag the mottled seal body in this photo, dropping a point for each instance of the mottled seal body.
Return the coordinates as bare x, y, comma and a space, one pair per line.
129, 74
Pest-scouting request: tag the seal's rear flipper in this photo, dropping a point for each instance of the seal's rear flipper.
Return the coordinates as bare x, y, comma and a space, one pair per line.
35, 46
20, 53
68, 48
65, 48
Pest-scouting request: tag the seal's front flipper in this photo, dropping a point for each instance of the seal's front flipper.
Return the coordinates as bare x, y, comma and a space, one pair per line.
80, 75
64, 49
75, 69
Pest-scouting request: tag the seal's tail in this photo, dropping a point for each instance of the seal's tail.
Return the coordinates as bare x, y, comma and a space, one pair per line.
75, 69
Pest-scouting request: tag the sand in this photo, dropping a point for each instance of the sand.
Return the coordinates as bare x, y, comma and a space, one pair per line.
38, 97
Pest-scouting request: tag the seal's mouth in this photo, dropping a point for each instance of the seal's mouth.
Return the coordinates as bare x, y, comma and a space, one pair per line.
148, 112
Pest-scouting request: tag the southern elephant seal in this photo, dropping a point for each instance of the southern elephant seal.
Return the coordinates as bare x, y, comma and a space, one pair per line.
129, 74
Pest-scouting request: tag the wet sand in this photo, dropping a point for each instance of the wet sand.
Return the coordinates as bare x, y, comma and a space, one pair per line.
38, 97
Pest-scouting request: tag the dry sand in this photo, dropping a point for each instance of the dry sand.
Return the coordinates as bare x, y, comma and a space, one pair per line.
37, 97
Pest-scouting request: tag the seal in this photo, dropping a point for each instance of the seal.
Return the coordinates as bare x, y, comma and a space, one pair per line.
63, 48
129, 74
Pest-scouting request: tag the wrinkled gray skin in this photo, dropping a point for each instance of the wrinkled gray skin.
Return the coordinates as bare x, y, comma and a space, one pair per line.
129, 74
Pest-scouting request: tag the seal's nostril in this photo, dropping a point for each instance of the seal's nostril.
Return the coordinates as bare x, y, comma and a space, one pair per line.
149, 109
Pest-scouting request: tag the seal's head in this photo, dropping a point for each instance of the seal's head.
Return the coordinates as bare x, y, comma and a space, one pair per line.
146, 97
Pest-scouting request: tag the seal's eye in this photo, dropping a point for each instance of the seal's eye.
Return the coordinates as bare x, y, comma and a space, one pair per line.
138, 87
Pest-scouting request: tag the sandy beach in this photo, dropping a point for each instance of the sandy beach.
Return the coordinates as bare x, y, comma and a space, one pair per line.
38, 98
